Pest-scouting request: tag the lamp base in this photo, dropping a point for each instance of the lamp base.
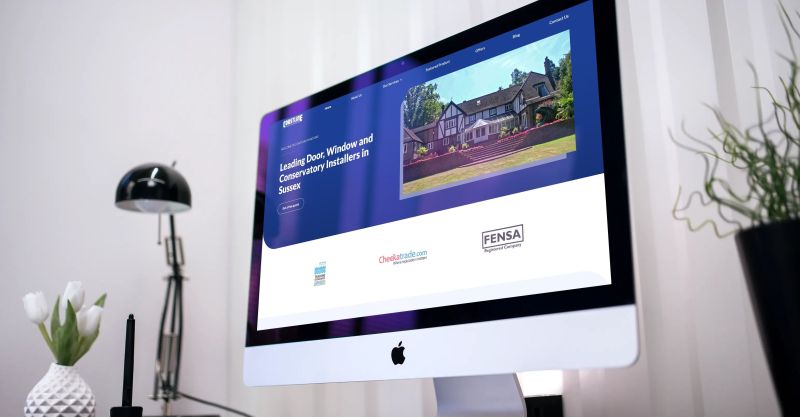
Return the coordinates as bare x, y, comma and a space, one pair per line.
126, 411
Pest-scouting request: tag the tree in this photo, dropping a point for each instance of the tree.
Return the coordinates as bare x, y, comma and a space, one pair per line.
517, 77
551, 71
565, 103
421, 105
544, 114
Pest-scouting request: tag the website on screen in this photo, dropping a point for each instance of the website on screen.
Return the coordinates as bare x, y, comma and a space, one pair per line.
477, 176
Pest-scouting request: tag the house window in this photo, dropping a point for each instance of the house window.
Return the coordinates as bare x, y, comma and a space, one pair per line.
472, 118
509, 107
492, 111
405, 148
541, 89
450, 123
447, 140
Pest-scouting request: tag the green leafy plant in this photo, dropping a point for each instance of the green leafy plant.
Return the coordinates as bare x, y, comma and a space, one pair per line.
421, 151
768, 154
565, 99
451, 149
422, 104
545, 114
69, 340
464, 146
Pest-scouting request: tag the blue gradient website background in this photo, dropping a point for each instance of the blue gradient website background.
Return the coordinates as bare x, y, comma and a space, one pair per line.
366, 192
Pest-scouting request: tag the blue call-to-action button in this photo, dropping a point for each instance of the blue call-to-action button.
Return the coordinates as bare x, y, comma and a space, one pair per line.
290, 206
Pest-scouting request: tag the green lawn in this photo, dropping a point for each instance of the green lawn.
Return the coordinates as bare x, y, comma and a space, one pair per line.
545, 150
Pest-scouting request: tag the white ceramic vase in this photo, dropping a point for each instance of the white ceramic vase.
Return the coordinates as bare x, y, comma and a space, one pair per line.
60, 393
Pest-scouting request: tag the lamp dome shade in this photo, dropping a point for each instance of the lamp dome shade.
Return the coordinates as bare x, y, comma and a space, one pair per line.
154, 188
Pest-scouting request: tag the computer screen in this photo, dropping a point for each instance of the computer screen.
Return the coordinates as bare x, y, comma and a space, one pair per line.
478, 180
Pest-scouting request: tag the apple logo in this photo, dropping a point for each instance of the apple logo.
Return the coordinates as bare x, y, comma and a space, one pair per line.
397, 354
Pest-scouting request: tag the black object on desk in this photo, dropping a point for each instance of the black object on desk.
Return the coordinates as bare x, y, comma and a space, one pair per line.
546, 406
160, 189
126, 409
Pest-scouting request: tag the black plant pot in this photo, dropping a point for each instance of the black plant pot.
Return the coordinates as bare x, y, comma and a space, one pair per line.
771, 260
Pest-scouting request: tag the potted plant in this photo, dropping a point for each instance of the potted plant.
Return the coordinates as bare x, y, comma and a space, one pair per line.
62, 391
764, 213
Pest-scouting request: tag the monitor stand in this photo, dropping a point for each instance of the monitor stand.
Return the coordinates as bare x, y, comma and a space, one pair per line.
479, 396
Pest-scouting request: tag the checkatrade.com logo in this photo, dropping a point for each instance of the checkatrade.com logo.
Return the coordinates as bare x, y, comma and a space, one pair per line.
403, 258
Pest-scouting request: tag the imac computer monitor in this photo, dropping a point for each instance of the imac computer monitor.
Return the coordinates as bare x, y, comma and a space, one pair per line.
461, 210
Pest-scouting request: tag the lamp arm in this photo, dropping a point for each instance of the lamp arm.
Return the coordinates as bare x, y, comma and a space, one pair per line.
177, 307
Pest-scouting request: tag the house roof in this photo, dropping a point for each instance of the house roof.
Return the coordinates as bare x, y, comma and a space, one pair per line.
430, 125
482, 122
507, 95
539, 99
410, 136
451, 102
533, 79
490, 100
478, 123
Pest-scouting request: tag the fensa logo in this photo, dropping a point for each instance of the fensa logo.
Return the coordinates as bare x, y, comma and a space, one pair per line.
505, 238
292, 121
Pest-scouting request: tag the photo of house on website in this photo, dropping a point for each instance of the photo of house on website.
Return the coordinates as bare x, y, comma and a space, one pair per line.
510, 112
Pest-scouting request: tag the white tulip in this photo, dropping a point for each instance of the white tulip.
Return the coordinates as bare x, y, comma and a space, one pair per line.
74, 294
36, 307
89, 320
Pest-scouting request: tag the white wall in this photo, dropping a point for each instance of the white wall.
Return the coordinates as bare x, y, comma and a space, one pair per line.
88, 89
91, 88
701, 355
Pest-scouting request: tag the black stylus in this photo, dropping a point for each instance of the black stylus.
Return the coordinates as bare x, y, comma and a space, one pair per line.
126, 410
127, 376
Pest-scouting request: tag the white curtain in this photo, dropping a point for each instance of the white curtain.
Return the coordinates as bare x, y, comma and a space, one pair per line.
700, 352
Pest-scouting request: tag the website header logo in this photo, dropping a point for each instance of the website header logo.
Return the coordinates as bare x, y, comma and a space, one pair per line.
293, 120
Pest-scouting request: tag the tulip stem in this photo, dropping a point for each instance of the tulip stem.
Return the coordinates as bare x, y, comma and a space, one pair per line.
46, 337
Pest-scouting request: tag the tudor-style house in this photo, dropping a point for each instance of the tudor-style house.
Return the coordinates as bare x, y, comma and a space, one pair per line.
481, 119
413, 139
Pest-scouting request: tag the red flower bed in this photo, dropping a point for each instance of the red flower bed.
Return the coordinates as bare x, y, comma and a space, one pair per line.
424, 158
474, 148
431, 166
432, 156
525, 132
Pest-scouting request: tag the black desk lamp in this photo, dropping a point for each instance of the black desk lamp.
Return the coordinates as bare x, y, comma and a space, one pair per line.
159, 189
